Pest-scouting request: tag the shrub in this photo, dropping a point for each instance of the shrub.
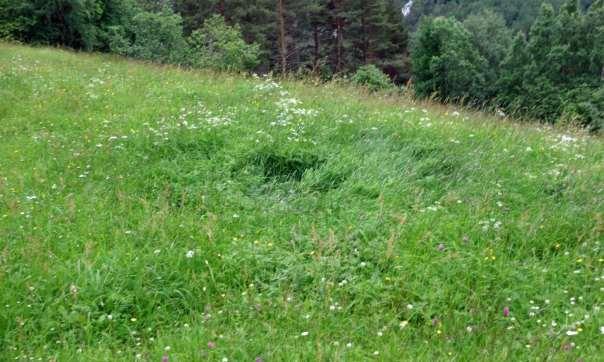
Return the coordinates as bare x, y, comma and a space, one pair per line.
220, 46
446, 63
585, 107
151, 36
371, 77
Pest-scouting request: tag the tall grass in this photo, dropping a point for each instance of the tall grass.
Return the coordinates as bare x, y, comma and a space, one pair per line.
149, 211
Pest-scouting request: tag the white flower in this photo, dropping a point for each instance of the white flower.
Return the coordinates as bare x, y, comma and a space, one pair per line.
602, 330
190, 254
409, 306
304, 334
403, 324
571, 333
349, 345
167, 348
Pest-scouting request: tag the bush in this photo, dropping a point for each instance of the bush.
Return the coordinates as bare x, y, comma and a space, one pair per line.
151, 36
446, 63
220, 46
585, 107
371, 77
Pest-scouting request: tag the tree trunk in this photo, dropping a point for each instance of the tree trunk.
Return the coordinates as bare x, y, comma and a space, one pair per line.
339, 36
317, 47
221, 8
365, 37
282, 40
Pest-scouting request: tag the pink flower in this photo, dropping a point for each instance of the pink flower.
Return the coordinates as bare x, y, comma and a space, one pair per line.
165, 358
211, 345
506, 312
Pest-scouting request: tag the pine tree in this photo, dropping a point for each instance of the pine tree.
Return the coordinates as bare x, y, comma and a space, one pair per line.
368, 29
337, 19
394, 58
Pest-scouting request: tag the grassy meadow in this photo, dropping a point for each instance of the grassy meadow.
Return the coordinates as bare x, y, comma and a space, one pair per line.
148, 212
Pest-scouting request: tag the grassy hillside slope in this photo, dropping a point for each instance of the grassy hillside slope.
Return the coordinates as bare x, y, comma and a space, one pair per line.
149, 211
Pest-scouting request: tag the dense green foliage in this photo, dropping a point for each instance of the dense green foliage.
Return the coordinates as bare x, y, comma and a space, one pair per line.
81, 24
446, 64
155, 36
220, 46
557, 73
149, 211
559, 69
322, 37
518, 14
371, 77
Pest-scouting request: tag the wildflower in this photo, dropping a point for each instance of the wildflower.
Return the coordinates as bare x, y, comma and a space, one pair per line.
258, 359
602, 330
409, 306
403, 324
167, 348
572, 333
304, 334
506, 312
349, 345
441, 247
376, 353
190, 254
211, 345
224, 359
